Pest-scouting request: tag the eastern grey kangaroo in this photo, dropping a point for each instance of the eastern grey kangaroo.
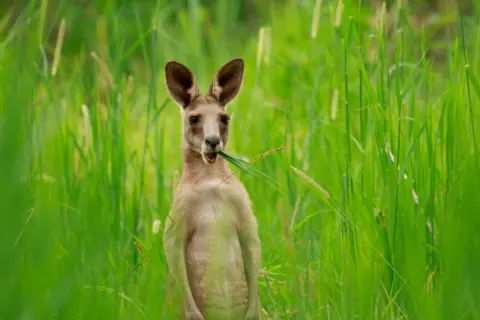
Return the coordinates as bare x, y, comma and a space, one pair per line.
211, 239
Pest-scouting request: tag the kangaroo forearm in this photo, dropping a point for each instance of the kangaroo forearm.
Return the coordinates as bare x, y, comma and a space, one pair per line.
176, 261
251, 254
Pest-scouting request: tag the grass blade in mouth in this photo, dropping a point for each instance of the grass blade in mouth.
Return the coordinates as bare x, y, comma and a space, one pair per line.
248, 168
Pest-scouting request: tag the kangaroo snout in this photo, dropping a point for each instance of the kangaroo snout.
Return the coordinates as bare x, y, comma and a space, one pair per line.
212, 142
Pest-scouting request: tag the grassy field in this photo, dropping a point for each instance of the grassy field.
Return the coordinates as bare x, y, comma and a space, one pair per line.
375, 213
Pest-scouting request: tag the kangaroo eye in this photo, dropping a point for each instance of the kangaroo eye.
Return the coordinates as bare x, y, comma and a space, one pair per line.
194, 119
224, 118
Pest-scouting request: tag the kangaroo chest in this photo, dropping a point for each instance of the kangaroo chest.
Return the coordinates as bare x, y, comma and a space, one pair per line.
216, 208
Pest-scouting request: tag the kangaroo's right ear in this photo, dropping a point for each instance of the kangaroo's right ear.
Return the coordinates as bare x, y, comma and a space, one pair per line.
228, 81
181, 83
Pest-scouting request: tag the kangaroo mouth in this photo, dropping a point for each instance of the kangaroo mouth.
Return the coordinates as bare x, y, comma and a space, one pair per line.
210, 157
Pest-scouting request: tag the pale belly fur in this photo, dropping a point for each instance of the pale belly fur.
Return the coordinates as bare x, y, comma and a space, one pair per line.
214, 263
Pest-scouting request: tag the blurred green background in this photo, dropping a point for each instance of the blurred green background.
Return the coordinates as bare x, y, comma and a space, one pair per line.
376, 213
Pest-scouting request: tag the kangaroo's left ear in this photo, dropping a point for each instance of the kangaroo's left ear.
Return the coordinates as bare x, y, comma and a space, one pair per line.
227, 82
181, 83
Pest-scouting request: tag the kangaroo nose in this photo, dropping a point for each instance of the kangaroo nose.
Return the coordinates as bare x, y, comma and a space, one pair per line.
212, 141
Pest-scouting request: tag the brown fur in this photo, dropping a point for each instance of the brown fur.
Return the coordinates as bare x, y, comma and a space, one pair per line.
210, 240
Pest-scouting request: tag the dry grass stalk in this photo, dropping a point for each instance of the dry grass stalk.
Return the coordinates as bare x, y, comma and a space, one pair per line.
58, 47
316, 18
263, 155
311, 182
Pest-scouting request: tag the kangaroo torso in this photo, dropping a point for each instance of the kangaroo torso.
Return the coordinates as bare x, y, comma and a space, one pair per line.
213, 254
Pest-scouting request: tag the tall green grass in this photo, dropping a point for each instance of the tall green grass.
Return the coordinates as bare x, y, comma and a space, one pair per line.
374, 211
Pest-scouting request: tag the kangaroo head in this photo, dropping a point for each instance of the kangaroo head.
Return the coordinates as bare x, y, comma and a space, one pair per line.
204, 117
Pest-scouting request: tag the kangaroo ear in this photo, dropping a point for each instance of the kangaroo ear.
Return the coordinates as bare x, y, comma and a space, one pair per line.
228, 81
181, 83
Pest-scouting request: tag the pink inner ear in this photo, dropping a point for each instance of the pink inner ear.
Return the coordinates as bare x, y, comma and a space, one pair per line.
226, 76
184, 79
